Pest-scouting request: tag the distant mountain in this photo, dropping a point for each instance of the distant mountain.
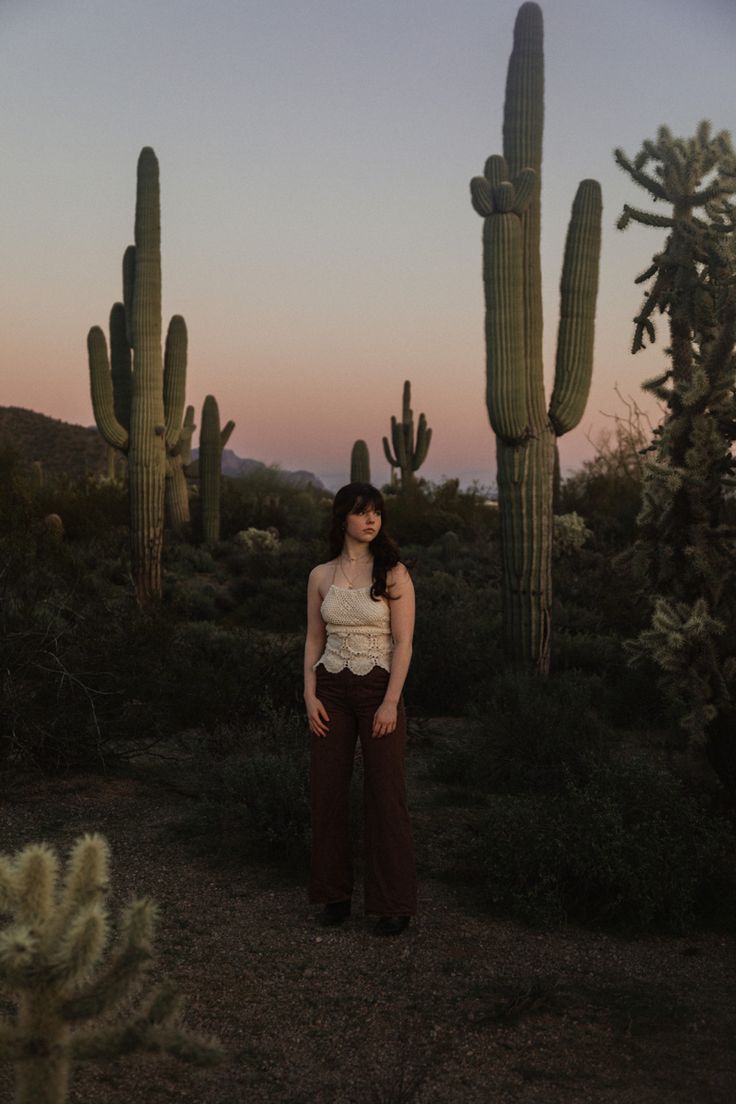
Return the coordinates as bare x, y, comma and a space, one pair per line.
63, 449
237, 465
77, 451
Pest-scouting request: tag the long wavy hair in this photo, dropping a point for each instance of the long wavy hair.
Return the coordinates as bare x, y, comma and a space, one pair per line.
349, 500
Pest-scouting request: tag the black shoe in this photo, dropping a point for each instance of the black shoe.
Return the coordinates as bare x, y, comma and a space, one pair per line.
391, 925
334, 914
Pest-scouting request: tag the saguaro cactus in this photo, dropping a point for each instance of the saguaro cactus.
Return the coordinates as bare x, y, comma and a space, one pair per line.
138, 403
360, 463
507, 196
408, 455
50, 959
212, 441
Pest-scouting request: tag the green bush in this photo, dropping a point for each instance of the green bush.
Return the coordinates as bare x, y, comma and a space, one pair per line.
536, 732
253, 800
431, 509
267, 498
628, 847
456, 643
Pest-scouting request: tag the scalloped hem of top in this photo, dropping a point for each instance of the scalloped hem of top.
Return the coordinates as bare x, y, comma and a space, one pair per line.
352, 667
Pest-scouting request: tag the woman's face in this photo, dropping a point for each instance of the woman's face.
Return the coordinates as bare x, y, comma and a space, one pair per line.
363, 523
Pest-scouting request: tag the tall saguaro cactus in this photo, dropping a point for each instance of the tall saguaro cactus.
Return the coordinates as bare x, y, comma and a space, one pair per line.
409, 455
507, 196
138, 401
212, 441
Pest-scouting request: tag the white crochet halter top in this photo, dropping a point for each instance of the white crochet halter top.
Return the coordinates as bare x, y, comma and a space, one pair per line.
358, 631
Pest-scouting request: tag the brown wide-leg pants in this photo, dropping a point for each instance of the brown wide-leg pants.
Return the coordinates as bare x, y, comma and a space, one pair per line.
390, 876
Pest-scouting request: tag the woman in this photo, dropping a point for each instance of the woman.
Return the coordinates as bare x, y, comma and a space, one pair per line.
360, 622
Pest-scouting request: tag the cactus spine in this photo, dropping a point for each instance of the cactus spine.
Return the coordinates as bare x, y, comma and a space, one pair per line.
50, 959
408, 455
507, 197
212, 441
360, 463
138, 403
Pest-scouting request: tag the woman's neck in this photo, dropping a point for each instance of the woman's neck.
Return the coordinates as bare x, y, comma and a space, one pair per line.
356, 551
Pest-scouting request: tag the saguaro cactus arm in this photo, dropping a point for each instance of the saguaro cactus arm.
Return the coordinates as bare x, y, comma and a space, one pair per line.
175, 376
121, 367
101, 384
212, 440
226, 433
501, 205
578, 294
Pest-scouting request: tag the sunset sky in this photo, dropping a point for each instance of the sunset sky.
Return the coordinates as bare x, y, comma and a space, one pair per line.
317, 230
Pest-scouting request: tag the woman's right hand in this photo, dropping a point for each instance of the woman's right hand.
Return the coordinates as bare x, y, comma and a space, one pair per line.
317, 716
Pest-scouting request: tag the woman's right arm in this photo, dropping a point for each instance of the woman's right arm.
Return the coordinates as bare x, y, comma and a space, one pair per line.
313, 649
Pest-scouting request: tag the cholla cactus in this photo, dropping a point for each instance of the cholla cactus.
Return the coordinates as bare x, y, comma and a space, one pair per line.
49, 961
684, 551
257, 540
569, 534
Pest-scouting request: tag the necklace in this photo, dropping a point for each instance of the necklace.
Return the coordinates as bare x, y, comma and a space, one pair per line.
356, 560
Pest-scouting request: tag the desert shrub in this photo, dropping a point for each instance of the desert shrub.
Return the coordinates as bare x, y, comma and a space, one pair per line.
431, 509
267, 498
456, 642
89, 510
596, 592
537, 732
628, 847
572, 825
253, 800
218, 674
183, 559
606, 491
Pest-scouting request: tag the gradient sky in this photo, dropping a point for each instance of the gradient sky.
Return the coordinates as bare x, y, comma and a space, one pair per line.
317, 230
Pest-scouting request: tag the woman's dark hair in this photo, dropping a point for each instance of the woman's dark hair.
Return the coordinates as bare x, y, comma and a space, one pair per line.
350, 499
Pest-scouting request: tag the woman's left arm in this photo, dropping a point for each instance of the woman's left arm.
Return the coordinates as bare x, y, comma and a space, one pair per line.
402, 607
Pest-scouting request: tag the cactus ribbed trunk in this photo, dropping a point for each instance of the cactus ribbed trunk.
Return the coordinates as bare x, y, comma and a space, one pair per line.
147, 454
210, 461
177, 497
508, 198
524, 471
360, 463
44, 1078
525, 513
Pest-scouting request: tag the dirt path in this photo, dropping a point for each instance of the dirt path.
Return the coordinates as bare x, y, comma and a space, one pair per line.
462, 1008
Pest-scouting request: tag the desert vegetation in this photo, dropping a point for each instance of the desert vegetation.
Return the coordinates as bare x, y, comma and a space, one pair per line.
572, 690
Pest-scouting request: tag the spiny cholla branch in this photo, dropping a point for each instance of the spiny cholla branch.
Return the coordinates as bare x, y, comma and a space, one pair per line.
50, 961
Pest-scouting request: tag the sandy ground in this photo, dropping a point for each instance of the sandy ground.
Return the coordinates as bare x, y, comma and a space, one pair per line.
463, 1007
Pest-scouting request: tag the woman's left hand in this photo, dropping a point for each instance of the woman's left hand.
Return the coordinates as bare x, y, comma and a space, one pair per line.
384, 720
